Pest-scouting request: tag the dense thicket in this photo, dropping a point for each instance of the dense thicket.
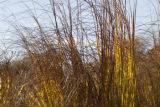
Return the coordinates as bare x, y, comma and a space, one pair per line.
88, 56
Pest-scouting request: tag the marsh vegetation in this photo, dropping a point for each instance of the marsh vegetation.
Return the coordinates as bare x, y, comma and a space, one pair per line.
88, 55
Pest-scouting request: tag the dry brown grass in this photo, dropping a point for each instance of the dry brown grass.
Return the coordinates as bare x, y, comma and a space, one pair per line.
84, 61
